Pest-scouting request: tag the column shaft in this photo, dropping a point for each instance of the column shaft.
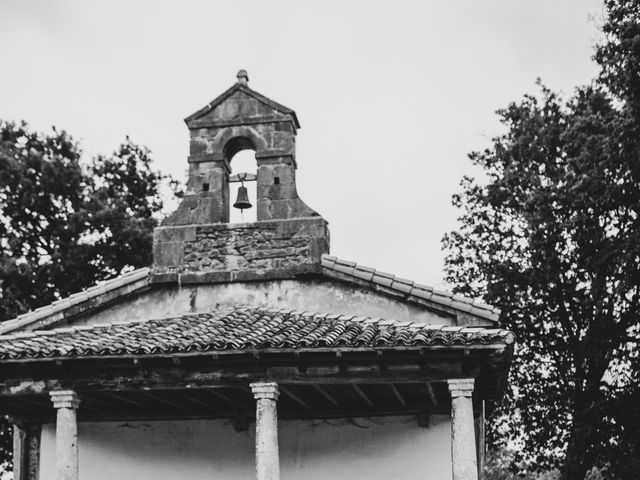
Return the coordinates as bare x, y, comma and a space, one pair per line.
19, 452
463, 435
267, 455
66, 403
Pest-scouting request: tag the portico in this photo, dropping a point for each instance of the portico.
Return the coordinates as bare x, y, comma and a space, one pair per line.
266, 426
433, 372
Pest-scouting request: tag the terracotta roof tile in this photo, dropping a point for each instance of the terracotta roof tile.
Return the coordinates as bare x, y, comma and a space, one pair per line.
136, 277
364, 275
335, 267
381, 280
403, 287
238, 329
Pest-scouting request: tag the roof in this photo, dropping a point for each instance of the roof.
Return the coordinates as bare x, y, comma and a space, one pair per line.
238, 329
92, 297
332, 267
366, 276
245, 89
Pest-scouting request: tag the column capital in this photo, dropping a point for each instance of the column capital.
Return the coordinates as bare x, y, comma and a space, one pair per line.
267, 390
461, 387
64, 399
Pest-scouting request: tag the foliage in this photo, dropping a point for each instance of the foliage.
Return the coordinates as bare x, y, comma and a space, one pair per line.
66, 224
552, 237
498, 468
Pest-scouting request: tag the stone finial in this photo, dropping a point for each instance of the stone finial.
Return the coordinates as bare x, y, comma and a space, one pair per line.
243, 77
461, 387
268, 390
64, 399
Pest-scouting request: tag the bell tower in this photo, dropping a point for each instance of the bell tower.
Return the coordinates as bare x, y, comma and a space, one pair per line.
241, 119
196, 243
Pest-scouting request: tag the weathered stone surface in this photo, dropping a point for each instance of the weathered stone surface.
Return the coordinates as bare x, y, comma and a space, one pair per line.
207, 197
238, 252
19, 452
267, 453
66, 403
241, 119
33, 461
463, 435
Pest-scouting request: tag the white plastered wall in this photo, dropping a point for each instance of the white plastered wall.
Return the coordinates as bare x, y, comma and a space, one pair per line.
372, 448
300, 295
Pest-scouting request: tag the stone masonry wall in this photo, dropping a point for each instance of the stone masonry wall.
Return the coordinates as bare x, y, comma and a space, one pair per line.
234, 252
242, 120
250, 248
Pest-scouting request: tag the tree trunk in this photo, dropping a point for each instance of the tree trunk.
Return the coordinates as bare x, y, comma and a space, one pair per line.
579, 458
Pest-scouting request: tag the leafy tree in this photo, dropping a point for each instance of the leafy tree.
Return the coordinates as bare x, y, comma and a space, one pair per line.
552, 236
66, 224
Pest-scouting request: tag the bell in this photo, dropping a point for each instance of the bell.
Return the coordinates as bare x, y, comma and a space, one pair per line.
242, 201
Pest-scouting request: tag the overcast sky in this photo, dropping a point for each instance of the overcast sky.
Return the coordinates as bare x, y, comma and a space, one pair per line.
391, 95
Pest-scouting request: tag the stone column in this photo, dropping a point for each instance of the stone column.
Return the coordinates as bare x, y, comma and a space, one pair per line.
463, 435
66, 403
19, 451
267, 456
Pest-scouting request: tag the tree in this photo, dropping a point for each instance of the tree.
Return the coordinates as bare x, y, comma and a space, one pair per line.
552, 237
66, 224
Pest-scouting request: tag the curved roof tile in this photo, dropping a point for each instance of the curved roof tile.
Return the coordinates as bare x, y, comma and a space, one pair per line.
346, 270
239, 328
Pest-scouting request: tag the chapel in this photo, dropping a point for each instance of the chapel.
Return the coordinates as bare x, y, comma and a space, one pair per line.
246, 350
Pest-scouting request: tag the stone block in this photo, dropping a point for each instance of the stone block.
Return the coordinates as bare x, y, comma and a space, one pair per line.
284, 127
168, 254
185, 233
197, 146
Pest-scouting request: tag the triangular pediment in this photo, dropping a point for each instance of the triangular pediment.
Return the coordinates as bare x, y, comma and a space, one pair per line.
240, 104
341, 288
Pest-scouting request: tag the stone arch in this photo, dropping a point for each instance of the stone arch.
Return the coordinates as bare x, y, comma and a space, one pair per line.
235, 145
237, 138
240, 155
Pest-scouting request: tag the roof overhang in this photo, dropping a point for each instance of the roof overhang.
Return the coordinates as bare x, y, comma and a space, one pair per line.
316, 383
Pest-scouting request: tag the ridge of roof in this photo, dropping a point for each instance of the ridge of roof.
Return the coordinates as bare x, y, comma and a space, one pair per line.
240, 328
359, 274
137, 279
249, 91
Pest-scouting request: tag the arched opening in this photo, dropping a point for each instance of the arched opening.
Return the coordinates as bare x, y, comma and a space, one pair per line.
236, 145
241, 155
